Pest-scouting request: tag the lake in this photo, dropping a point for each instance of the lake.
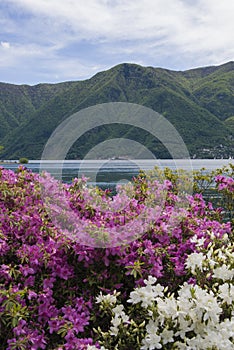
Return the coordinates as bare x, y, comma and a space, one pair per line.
108, 173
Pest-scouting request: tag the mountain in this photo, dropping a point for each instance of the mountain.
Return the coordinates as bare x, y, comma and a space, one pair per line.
198, 102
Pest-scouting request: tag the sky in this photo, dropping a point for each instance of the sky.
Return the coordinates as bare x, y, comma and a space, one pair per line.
62, 40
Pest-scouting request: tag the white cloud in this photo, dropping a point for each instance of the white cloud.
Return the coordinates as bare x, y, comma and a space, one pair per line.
178, 32
33, 63
136, 19
5, 45
13, 54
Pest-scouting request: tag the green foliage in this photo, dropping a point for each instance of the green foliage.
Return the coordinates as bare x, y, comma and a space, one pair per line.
230, 124
196, 102
13, 309
23, 160
202, 182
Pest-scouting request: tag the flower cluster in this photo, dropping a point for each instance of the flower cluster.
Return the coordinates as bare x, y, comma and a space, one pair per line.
225, 182
198, 315
146, 268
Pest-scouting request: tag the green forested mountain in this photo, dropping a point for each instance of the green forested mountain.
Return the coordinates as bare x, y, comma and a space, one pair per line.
198, 102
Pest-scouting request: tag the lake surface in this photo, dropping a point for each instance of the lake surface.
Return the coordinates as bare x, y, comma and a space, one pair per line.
108, 173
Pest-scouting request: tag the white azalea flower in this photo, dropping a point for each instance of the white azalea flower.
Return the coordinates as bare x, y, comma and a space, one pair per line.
116, 321
150, 281
151, 342
168, 308
118, 311
152, 339
181, 346
199, 241
205, 305
197, 343
195, 260
108, 298
227, 328
212, 262
148, 294
223, 273
120, 317
226, 293
167, 336
152, 327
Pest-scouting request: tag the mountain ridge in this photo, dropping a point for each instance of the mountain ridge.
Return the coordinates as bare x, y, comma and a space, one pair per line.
196, 101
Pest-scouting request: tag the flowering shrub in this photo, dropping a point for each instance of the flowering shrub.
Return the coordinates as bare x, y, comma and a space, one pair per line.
82, 270
199, 315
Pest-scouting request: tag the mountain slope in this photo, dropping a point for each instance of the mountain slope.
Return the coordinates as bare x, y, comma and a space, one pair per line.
215, 92
196, 102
